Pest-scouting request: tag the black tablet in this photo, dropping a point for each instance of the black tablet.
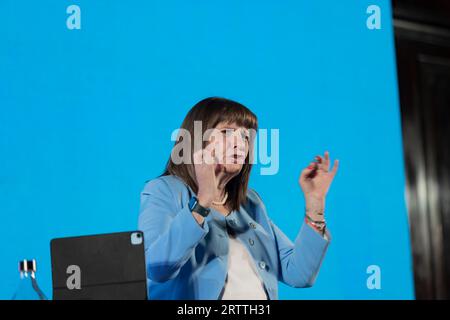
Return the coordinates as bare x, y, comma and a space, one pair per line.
99, 267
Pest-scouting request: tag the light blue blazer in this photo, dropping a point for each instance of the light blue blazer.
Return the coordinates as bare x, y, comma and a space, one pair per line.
187, 261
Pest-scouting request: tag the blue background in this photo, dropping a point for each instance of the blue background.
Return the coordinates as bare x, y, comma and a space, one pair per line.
86, 117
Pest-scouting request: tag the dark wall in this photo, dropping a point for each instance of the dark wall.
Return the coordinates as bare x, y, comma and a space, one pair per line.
422, 32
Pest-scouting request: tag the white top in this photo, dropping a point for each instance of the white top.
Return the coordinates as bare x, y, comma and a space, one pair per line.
243, 281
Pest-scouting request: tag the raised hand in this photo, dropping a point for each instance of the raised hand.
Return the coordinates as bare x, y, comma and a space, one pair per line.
205, 165
315, 181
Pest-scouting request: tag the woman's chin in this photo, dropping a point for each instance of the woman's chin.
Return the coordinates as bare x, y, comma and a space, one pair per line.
232, 167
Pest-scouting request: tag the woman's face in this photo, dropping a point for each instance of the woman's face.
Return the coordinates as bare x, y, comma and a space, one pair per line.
231, 148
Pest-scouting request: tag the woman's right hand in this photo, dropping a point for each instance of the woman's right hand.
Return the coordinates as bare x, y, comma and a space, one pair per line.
205, 165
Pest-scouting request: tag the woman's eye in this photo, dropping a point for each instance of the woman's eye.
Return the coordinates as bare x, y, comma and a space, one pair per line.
228, 132
245, 135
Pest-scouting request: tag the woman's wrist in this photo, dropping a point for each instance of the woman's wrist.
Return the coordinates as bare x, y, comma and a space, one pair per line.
315, 207
318, 226
204, 200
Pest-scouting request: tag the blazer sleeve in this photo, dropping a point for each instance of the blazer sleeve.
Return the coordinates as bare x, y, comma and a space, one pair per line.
299, 262
170, 234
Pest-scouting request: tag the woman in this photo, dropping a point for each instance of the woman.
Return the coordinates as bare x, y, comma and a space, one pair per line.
209, 237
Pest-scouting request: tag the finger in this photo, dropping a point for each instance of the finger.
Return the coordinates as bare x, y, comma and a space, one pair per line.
313, 165
219, 152
335, 167
306, 172
311, 170
320, 160
208, 157
212, 152
213, 148
198, 156
210, 145
327, 160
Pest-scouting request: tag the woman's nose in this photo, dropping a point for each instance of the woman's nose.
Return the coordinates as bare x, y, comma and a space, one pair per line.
240, 146
237, 141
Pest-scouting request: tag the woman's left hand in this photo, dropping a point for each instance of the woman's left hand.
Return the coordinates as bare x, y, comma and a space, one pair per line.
315, 180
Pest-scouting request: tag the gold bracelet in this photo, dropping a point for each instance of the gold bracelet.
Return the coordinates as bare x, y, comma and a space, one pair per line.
315, 221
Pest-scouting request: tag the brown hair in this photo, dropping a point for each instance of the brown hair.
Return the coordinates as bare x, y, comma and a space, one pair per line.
212, 111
